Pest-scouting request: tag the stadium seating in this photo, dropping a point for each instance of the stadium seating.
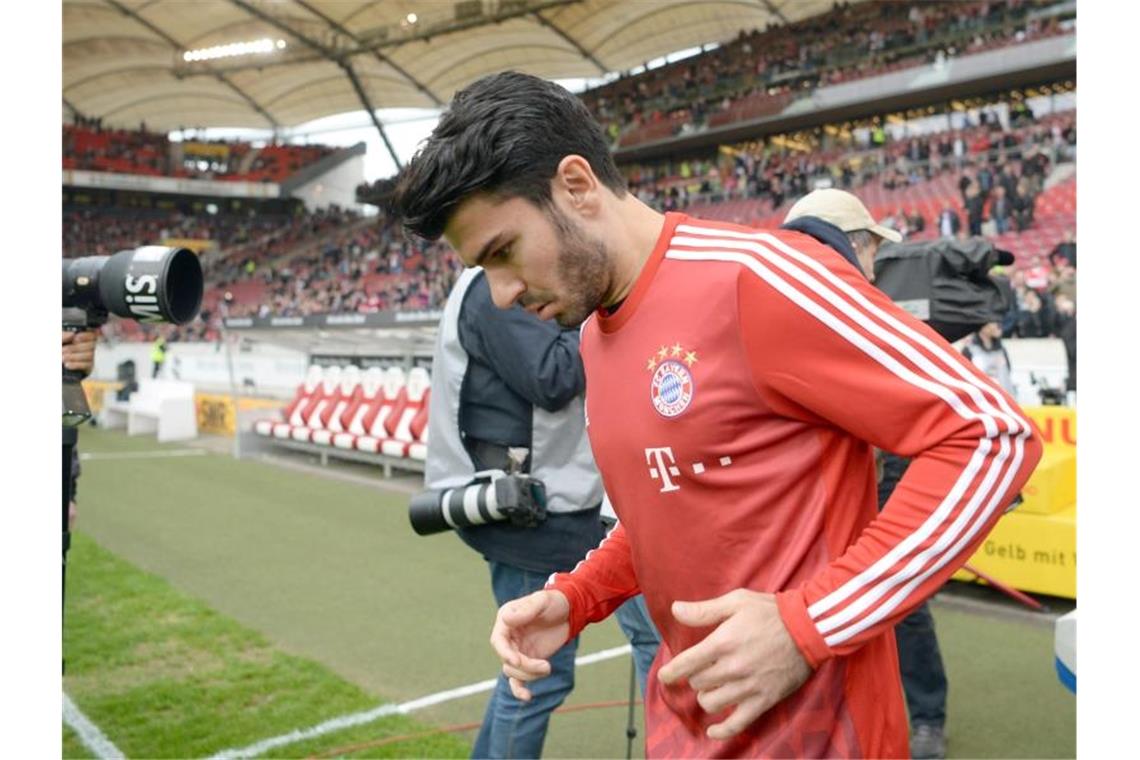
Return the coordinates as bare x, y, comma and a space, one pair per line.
292, 412
418, 449
380, 424
761, 72
128, 151
332, 422
320, 408
403, 433
378, 416
371, 395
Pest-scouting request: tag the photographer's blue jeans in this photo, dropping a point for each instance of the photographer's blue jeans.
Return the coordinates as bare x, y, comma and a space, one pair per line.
512, 728
633, 617
920, 662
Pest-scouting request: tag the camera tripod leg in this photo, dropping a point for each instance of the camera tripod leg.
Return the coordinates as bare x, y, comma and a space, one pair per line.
631, 726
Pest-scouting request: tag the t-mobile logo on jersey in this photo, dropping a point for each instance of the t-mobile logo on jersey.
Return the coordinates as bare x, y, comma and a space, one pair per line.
662, 464
656, 459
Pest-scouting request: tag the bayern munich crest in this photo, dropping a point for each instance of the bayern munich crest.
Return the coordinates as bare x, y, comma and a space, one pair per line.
671, 389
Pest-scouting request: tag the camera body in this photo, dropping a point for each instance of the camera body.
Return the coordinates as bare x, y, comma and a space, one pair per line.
493, 496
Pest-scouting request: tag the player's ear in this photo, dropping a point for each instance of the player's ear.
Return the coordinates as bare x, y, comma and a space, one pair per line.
575, 180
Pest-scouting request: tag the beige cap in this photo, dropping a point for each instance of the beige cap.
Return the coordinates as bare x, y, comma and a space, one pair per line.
842, 209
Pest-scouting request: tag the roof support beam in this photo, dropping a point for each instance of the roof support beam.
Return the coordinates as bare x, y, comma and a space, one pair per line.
371, 112
166, 96
329, 55
577, 45
221, 77
74, 111
376, 53
774, 11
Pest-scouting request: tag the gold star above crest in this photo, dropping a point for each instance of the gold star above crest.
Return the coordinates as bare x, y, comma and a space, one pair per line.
690, 358
677, 349
652, 364
662, 352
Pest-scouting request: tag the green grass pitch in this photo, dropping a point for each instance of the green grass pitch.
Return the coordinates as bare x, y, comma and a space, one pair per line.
214, 603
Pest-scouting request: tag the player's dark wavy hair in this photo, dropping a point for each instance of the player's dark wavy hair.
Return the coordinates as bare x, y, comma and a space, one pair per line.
504, 134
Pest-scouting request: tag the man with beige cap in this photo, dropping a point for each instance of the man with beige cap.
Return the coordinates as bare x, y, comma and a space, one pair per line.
843, 210
920, 661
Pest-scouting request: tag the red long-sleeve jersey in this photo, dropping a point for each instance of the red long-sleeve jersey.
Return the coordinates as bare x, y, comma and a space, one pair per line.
732, 404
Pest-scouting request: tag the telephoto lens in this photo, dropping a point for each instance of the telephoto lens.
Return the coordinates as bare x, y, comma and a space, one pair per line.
153, 283
516, 498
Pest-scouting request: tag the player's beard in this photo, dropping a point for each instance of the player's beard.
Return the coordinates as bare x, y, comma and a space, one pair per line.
583, 268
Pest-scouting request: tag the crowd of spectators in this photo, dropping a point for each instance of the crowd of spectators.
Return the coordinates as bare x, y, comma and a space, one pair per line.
88, 145
1015, 154
365, 269
334, 261
279, 237
327, 261
1045, 301
92, 231
1000, 172
760, 72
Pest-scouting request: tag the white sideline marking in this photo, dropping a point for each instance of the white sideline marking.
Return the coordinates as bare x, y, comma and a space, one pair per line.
84, 456
92, 738
360, 718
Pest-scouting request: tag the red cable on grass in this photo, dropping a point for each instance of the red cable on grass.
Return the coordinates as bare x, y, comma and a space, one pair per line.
457, 728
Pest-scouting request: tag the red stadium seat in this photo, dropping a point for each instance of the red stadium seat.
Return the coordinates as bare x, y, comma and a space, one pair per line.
319, 408
371, 396
350, 393
418, 449
292, 412
381, 421
402, 436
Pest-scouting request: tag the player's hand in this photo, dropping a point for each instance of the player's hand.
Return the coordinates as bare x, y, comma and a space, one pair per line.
750, 661
79, 350
527, 631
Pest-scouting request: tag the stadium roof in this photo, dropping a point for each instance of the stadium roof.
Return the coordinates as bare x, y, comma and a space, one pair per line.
125, 60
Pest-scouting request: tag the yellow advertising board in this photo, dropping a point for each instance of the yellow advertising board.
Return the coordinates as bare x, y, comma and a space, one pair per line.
96, 390
1034, 547
197, 245
1052, 487
205, 149
1058, 424
216, 414
1031, 552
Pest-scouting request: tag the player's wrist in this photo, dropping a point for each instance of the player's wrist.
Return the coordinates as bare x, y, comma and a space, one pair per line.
553, 604
793, 612
565, 597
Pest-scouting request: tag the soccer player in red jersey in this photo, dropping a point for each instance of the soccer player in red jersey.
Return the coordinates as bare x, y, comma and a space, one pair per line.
737, 382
